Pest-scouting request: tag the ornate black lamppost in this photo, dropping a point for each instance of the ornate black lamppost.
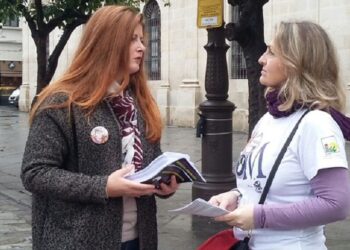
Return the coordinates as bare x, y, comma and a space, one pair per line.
216, 121
216, 112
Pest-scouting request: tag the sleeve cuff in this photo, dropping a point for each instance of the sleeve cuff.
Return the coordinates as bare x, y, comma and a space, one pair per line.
259, 216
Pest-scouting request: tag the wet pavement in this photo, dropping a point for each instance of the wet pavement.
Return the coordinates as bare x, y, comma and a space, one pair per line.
175, 231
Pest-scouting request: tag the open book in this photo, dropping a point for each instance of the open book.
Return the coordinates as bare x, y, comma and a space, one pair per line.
164, 166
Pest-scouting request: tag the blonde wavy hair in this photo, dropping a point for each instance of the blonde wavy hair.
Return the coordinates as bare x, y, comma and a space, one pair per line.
311, 66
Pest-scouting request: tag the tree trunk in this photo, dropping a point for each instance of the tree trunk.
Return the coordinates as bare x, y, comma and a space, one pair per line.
256, 100
41, 47
249, 33
53, 59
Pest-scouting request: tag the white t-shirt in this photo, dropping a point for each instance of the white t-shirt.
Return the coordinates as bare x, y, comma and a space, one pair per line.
317, 144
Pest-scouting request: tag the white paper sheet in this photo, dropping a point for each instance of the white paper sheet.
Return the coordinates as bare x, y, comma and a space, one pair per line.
200, 207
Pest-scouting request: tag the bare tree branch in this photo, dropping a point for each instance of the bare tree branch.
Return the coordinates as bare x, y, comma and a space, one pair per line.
40, 15
53, 59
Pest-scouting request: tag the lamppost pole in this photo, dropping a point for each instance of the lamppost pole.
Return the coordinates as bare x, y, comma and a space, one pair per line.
216, 115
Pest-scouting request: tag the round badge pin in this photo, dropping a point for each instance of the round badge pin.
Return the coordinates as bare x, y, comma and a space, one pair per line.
99, 135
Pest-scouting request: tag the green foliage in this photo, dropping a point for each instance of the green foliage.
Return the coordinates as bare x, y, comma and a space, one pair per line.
166, 2
63, 11
7, 9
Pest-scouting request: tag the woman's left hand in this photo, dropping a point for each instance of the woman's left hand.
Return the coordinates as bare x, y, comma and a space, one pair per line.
166, 189
242, 217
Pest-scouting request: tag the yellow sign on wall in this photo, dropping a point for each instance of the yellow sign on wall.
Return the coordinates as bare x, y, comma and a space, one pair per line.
210, 13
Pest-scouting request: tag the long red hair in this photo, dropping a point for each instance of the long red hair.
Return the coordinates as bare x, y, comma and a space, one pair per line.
102, 57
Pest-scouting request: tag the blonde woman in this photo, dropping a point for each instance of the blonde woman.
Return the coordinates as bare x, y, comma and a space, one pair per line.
311, 187
90, 128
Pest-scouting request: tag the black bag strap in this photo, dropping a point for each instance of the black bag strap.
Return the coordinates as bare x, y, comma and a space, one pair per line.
278, 160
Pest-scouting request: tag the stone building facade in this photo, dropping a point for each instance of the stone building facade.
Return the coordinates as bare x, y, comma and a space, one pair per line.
10, 57
177, 59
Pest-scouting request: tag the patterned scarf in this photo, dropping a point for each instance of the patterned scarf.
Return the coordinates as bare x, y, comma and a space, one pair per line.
273, 101
124, 109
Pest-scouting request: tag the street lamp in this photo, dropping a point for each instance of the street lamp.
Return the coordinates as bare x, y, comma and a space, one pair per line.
216, 112
216, 121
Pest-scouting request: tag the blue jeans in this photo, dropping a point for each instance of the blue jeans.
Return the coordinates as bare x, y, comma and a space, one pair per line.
131, 245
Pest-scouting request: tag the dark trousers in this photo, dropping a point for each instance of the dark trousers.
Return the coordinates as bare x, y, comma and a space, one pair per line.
131, 245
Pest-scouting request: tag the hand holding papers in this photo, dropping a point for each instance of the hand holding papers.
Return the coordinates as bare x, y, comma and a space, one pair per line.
200, 207
164, 166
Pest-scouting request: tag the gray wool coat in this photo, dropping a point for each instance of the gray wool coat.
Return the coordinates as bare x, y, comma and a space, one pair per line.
67, 175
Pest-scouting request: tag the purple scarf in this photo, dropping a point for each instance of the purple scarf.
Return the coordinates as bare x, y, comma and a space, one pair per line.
273, 101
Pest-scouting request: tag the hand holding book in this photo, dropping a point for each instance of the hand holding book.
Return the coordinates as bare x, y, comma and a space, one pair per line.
164, 166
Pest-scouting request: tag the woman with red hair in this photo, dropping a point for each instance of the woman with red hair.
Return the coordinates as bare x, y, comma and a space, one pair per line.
90, 128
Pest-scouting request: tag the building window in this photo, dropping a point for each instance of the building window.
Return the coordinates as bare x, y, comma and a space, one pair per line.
153, 56
12, 22
238, 66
